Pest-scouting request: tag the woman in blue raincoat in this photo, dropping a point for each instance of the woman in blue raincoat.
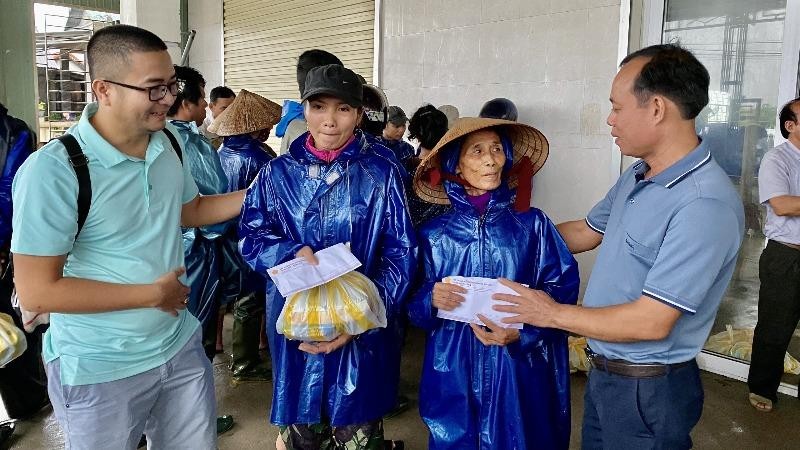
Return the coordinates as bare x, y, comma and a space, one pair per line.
490, 387
244, 126
332, 188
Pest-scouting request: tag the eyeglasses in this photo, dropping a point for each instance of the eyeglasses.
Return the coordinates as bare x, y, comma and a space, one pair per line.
156, 92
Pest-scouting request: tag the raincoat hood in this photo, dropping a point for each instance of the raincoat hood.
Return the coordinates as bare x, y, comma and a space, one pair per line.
457, 193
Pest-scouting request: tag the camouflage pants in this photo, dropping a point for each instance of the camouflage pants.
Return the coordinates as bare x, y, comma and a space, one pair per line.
321, 436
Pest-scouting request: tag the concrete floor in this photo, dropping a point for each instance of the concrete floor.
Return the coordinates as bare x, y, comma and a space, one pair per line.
728, 421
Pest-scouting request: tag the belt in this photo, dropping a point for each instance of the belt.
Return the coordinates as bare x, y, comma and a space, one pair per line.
629, 369
794, 246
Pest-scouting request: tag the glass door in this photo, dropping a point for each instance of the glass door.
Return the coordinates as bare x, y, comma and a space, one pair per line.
751, 52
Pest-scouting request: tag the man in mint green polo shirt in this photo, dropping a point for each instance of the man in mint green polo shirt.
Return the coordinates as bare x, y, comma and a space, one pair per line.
669, 232
123, 355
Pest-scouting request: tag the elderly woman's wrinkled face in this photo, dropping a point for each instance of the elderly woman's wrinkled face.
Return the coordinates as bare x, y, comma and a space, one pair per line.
481, 161
331, 121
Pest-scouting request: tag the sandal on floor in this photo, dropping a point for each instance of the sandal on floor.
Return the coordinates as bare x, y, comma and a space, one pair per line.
389, 444
760, 403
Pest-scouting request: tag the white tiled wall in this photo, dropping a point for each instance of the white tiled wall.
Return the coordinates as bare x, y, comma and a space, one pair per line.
205, 17
554, 58
163, 18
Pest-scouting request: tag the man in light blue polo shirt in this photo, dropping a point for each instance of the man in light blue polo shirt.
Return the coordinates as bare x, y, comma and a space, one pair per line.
123, 355
670, 230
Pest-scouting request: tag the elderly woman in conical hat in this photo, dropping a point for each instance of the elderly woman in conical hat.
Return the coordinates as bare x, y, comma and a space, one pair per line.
244, 126
485, 386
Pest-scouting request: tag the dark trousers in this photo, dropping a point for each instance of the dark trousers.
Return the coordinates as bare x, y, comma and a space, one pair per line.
778, 314
247, 314
23, 382
623, 413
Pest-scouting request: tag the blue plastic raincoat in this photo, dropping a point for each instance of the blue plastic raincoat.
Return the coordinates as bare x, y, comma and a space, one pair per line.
297, 200
474, 396
17, 141
242, 157
401, 149
206, 265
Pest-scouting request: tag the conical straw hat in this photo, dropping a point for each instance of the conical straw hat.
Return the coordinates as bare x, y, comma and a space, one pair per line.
249, 112
526, 141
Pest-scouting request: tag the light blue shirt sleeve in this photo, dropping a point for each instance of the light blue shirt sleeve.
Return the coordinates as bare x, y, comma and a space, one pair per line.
45, 195
701, 239
597, 219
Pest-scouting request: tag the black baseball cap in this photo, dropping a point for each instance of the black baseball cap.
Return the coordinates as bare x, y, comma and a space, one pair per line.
397, 116
337, 81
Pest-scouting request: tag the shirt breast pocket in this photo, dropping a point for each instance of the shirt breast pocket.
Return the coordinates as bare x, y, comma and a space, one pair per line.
640, 251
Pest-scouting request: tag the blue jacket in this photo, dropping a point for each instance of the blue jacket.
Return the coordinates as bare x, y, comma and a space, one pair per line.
401, 149
204, 258
206, 169
474, 396
242, 157
297, 200
17, 142
291, 110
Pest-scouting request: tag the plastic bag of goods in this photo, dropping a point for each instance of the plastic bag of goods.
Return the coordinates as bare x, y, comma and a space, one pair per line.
12, 340
349, 304
577, 354
738, 343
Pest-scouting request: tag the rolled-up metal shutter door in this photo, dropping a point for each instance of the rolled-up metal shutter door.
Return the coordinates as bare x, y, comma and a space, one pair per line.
262, 40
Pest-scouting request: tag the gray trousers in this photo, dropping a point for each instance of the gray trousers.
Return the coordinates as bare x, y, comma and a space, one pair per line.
173, 404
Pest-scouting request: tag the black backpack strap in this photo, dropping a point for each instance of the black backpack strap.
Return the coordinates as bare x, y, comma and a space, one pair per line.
175, 144
80, 164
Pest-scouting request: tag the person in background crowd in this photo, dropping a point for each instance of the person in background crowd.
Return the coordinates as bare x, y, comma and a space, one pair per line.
293, 123
427, 126
23, 382
204, 258
123, 356
244, 127
499, 108
373, 121
489, 387
451, 112
779, 266
374, 117
332, 187
392, 136
669, 232
219, 99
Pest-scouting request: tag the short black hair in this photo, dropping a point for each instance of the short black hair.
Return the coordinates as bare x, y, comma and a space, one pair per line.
787, 115
310, 59
190, 85
220, 92
675, 73
427, 125
112, 45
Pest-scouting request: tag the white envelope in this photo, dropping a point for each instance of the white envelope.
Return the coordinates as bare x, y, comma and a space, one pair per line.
478, 300
298, 275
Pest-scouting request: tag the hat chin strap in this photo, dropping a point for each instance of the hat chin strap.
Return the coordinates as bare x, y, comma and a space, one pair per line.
523, 169
524, 172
